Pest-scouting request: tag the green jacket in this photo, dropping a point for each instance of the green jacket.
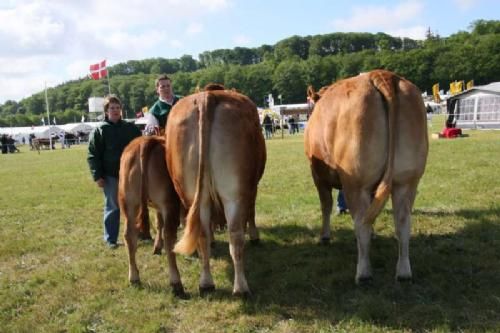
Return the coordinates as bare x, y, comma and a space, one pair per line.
106, 145
161, 110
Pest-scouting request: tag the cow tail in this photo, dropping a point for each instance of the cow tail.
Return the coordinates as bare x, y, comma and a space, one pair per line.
144, 153
189, 241
386, 84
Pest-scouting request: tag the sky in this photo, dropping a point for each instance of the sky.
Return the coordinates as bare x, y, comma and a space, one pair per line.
49, 42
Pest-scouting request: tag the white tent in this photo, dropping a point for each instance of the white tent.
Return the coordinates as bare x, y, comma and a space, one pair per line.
292, 109
18, 133
478, 107
75, 128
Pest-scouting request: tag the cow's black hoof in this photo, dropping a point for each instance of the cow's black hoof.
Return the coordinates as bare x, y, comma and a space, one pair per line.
246, 295
324, 240
404, 279
255, 242
135, 283
178, 290
364, 281
206, 290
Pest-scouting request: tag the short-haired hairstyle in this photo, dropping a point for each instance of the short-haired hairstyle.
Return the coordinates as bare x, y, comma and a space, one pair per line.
161, 77
111, 99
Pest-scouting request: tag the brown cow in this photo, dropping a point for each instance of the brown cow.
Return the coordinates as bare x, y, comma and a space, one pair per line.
216, 156
368, 135
143, 176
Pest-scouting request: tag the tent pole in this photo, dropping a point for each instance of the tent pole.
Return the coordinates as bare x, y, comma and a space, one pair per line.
48, 114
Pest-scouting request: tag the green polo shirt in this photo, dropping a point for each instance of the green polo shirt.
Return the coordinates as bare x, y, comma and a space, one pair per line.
161, 110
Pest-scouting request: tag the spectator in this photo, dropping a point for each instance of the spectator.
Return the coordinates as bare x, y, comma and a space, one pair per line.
267, 123
106, 145
4, 141
341, 205
158, 113
291, 125
11, 143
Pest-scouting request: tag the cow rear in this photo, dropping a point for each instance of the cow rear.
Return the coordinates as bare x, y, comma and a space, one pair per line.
216, 157
368, 136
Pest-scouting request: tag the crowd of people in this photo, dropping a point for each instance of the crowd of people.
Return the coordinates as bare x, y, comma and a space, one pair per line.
8, 144
270, 126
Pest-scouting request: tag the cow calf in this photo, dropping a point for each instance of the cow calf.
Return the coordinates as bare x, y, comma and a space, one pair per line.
143, 176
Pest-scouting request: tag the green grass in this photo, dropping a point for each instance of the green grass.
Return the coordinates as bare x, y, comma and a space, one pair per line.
56, 275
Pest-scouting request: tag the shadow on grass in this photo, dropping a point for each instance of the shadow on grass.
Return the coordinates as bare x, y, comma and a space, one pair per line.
455, 284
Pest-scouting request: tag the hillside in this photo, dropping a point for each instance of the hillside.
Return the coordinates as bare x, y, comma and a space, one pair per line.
285, 68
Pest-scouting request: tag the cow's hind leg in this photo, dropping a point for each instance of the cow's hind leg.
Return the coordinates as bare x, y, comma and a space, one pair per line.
131, 234
236, 216
158, 244
403, 197
253, 232
358, 202
169, 230
145, 225
206, 279
326, 200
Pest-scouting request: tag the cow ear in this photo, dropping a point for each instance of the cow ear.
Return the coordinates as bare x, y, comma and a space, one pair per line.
310, 91
312, 95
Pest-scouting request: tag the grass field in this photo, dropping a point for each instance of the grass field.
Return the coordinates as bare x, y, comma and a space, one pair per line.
56, 275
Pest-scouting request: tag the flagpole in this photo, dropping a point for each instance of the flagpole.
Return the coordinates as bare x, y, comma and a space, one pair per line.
48, 114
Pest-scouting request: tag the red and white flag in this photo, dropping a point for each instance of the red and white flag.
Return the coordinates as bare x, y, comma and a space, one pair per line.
98, 71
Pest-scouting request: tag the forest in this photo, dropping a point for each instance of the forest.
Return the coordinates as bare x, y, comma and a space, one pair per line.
284, 69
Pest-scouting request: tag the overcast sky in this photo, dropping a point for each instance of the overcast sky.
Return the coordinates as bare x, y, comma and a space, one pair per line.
56, 41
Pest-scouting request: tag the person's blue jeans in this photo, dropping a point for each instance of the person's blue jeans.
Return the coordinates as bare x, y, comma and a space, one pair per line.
111, 210
269, 131
341, 205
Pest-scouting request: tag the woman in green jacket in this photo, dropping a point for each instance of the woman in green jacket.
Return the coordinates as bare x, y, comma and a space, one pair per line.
106, 145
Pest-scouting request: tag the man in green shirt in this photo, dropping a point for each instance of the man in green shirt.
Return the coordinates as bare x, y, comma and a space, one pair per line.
158, 113
106, 145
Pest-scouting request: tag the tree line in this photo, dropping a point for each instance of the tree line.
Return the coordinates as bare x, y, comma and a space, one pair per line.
284, 69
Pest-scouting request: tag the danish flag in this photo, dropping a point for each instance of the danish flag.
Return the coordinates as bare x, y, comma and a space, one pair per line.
98, 71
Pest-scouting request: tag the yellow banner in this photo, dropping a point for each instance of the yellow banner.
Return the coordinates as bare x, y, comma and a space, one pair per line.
470, 84
453, 88
435, 93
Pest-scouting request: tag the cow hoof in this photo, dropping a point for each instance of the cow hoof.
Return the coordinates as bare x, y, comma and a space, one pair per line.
364, 281
245, 295
206, 290
157, 251
178, 290
255, 242
135, 283
324, 240
404, 279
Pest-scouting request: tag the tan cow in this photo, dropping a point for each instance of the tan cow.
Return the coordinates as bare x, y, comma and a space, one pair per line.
143, 176
216, 156
368, 136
